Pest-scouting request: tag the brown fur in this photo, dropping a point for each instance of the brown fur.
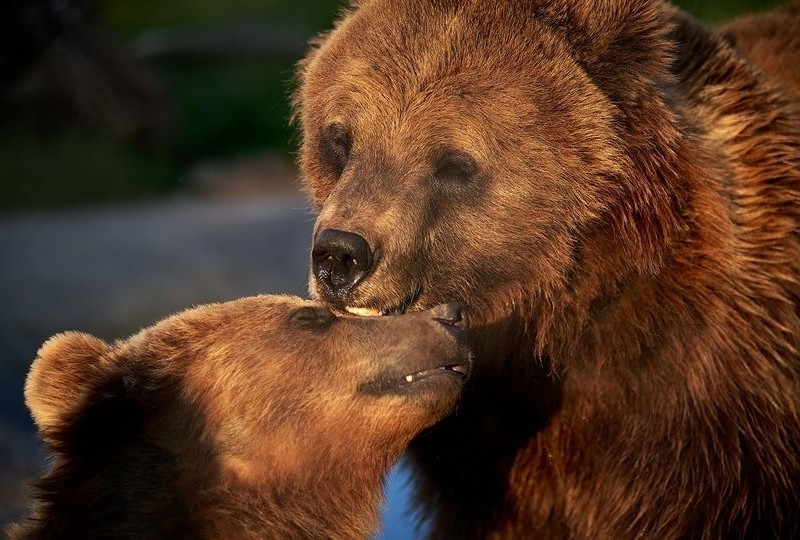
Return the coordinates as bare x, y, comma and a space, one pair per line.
629, 245
247, 419
771, 41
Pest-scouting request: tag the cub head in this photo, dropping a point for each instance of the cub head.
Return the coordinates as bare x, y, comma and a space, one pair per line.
269, 393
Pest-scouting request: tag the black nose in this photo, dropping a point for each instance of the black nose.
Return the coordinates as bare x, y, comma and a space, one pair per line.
453, 316
340, 259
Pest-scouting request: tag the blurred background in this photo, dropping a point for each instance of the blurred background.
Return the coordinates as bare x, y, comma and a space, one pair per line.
146, 165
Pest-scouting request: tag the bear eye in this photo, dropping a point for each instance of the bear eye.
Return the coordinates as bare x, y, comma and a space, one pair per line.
335, 146
454, 165
312, 317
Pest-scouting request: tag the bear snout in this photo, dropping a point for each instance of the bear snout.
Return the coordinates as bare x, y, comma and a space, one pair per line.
340, 259
453, 317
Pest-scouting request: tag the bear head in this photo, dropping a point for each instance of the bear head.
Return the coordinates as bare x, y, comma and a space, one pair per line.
266, 411
488, 152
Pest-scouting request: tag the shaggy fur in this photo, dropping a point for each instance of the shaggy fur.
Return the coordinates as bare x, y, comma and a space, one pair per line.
247, 419
614, 191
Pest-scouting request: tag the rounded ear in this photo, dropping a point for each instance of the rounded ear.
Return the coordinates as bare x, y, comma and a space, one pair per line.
626, 46
68, 367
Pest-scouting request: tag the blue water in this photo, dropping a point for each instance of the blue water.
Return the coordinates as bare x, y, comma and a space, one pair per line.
399, 521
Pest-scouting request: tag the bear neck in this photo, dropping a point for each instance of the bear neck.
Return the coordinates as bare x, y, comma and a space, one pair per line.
335, 501
623, 366
728, 250
131, 494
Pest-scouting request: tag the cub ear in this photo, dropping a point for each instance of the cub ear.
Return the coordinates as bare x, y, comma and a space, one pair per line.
67, 369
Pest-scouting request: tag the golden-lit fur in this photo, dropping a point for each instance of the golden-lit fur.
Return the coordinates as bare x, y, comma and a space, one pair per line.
238, 420
629, 249
771, 41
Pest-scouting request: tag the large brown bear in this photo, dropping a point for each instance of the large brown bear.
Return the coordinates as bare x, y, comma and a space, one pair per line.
614, 191
265, 417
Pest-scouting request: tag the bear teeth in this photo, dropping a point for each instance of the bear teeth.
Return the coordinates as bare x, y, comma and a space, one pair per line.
364, 312
409, 378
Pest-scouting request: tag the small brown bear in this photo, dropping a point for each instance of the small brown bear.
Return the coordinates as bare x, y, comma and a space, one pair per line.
265, 417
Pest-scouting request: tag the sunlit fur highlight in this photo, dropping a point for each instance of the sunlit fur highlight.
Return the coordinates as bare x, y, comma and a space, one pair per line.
630, 252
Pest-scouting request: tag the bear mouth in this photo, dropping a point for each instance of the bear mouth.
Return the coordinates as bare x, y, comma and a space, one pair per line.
390, 384
398, 309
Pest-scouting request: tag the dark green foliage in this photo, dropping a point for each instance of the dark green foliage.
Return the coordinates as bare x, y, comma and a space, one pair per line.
223, 107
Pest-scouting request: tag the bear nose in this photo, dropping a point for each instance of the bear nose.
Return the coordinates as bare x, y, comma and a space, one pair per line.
453, 317
340, 259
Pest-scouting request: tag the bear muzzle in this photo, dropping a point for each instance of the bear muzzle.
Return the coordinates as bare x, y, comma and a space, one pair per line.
450, 365
340, 260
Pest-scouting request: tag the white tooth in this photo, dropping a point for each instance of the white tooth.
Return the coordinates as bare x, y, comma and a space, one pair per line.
363, 312
409, 378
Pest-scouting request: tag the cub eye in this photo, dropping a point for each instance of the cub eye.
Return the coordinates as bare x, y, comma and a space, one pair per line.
335, 146
312, 317
454, 165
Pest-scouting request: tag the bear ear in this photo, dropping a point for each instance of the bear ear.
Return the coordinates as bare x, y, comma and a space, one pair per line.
68, 367
624, 45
